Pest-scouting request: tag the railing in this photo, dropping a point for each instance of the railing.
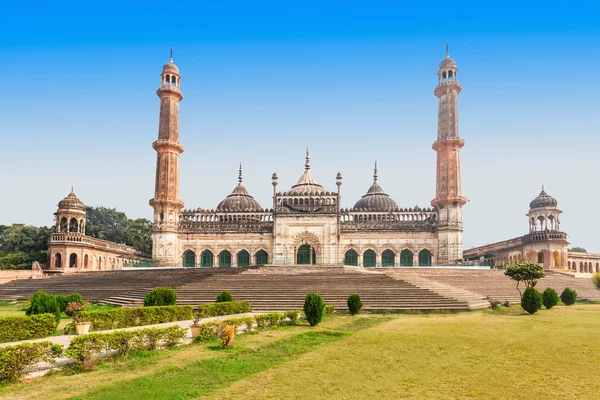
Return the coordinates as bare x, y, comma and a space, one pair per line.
75, 237
418, 226
218, 226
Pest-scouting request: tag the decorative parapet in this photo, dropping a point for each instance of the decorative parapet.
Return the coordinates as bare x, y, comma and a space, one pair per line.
405, 219
211, 221
547, 236
76, 238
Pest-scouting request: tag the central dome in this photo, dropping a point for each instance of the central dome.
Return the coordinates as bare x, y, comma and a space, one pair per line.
239, 200
376, 199
307, 184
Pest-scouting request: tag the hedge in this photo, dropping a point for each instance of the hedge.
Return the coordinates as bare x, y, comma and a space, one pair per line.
17, 360
23, 328
85, 349
214, 329
224, 308
127, 317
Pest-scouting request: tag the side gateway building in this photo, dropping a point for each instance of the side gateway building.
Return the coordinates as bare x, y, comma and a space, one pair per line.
306, 224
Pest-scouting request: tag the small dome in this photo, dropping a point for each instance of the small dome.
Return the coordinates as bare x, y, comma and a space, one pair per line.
448, 63
72, 202
239, 199
543, 200
170, 67
376, 199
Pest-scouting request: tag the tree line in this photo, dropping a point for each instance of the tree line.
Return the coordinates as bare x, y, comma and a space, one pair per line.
21, 245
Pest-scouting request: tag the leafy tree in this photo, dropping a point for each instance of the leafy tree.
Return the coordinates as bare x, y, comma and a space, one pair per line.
596, 280
21, 244
112, 225
577, 250
528, 272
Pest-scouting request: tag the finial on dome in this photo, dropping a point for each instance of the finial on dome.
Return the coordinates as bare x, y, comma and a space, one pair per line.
171, 56
307, 164
447, 54
72, 189
542, 187
240, 175
375, 172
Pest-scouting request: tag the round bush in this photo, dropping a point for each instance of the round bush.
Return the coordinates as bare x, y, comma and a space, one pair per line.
568, 296
160, 296
224, 297
43, 303
532, 300
354, 304
62, 302
550, 298
313, 308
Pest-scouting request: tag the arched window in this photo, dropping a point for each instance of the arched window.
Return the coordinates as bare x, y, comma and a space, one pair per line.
85, 261
597, 267
73, 225
57, 260
424, 258
99, 262
225, 259
351, 257
388, 258
540, 258
556, 258
173, 80
303, 255
73, 260
206, 259
189, 259
64, 225
369, 258
406, 258
262, 257
243, 259
580, 266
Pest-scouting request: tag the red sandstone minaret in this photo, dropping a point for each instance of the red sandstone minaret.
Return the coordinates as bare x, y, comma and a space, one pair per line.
448, 199
166, 202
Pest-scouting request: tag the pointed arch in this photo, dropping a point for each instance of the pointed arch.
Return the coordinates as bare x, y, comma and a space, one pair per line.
369, 258
261, 257
388, 258
225, 258
58, 260
73, 260
424, 258
406, 258
189, 259
206, 259
243, 258
351, 257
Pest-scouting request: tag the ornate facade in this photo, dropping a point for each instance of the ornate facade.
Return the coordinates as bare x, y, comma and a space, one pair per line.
306, 223
71, 250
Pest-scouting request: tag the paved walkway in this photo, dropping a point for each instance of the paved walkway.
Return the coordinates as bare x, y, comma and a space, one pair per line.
64, 340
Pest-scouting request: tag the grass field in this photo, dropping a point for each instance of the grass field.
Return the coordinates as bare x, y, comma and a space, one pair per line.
489, 354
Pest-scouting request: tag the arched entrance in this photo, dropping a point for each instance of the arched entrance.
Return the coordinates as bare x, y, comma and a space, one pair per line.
556, 259
206, 259
304, 255
262, 257
243, 258
406, 258
369, 258
388, 258
225, 259
540, 258
189, 259
57, 260
351, 257
424, 258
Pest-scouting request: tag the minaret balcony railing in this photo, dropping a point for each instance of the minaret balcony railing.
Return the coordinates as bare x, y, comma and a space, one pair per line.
547, 236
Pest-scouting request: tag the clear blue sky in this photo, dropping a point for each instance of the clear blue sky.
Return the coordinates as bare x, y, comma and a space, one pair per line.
263, 80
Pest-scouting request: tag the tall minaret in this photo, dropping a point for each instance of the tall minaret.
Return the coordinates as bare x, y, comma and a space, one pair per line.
166, 202
448, 199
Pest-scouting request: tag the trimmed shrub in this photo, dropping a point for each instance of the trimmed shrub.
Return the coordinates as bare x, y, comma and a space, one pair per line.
354, 304
16, 360
313, 308
224, 297
532, 300
568, 296
23, 328
85, 348
225, 308
127, 317
228, 336
550, 298
43, 303
215, 329
329, 308
160, 296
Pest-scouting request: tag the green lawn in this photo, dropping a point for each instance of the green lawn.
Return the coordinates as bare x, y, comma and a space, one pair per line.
487, 354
